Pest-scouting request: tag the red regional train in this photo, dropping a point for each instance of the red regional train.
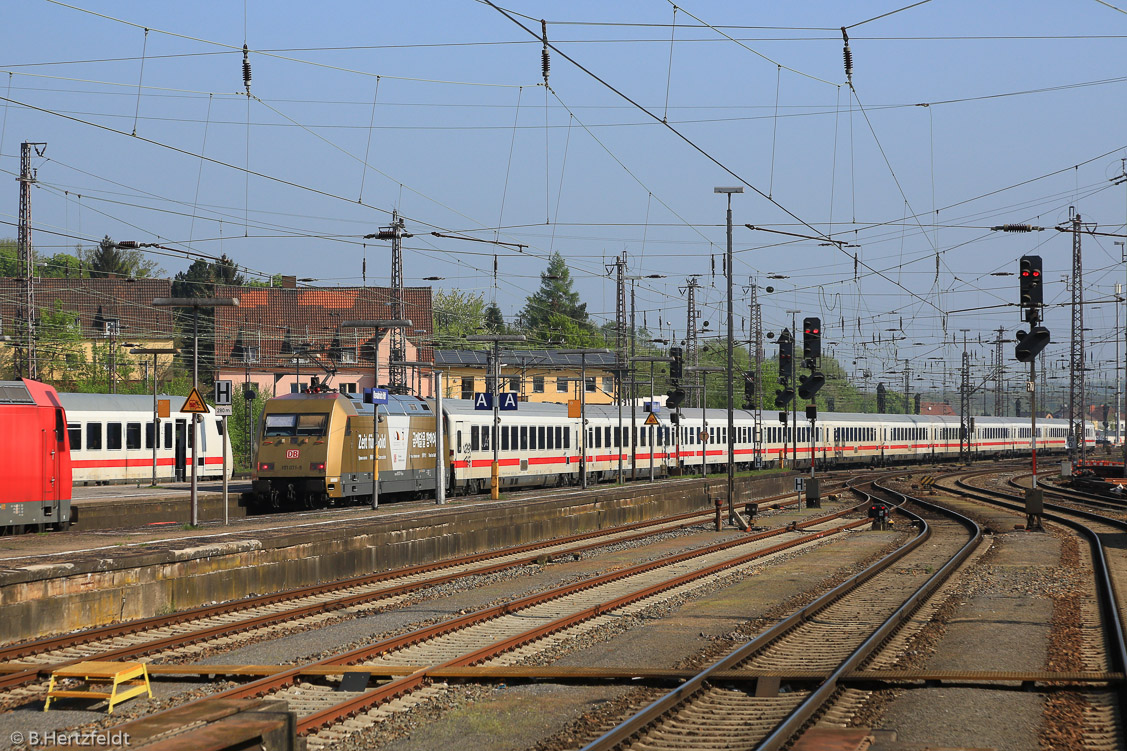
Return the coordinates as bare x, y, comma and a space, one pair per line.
35, 465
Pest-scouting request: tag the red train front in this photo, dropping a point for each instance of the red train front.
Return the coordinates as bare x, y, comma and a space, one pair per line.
35, 476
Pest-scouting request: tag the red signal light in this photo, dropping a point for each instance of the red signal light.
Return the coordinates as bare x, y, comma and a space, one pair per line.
1036, 273
317, 466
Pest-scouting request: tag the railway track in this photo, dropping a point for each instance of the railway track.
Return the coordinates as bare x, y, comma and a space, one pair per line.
835, 634
183, 635
509, 633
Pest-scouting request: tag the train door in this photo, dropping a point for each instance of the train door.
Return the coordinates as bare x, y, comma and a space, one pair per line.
53, 445
459, 452
180, 460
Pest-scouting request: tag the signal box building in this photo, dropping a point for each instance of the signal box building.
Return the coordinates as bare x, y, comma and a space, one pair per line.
538, 375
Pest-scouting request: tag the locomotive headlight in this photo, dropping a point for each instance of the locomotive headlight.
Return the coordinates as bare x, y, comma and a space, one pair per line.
265, 466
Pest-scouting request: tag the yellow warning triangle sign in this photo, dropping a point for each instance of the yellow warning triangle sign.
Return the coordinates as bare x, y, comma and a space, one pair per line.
194, 404
651, 420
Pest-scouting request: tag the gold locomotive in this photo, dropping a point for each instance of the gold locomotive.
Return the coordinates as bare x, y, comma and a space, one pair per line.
321, 449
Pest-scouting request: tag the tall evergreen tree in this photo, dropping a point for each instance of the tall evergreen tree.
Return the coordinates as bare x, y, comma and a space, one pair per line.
494, 320
554, 312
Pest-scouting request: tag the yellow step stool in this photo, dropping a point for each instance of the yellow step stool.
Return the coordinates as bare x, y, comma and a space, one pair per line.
124, 679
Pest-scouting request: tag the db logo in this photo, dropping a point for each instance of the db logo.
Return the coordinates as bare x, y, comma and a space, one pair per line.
293, 453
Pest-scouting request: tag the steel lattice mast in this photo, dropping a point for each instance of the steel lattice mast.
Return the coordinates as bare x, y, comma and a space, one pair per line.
1076, 360
397, 374
755, 347
965, 423
27, 365
691, 353
999, 372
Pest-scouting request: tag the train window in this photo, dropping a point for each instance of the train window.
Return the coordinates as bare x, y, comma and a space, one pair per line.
567, 439
113, 436
598, 438
149, 435
93, 436
523, 438
504, 438
74, 432
312, 425
607, 429
540, 442
168, 435
280, 425
485, 431
475, 438
133, 435
551, 439
642, 437
618, 436
559, 437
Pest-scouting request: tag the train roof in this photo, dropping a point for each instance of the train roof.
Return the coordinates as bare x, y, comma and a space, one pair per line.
397, 404
15, 392
527, 409
117, 402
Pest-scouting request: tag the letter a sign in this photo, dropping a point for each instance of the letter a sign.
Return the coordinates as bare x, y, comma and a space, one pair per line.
194, 404
483, 400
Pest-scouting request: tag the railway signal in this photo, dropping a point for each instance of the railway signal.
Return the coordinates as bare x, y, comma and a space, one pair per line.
784, 396
1032, 289
810, 384
786, 354
749, 390
1030, 344
675, 397
811, 341
675, 367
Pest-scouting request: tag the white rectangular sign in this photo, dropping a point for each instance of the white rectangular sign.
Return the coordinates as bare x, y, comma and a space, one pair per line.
223, 410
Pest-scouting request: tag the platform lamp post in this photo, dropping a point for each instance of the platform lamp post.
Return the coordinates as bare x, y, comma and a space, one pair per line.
496, 339
380, 324
154, 351
651, 361
439, 463
195, 303
732, 515
583, 405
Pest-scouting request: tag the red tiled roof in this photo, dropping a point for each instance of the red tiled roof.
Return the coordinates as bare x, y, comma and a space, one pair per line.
276, 320
93, 302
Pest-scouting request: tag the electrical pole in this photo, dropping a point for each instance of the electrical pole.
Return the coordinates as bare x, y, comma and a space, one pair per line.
26, 254
691, 353
397, 374
731, 432
965, 423
1076, 394
620, 347
907, 385
756, 347
999, 373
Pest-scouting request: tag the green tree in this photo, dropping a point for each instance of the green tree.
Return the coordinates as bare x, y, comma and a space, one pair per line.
9, 257
554, 312
63, 266
457, 314
494, 320
109, 260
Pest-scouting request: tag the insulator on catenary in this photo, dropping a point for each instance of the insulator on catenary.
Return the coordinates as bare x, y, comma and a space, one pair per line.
847, 54
246, 67
545, 59
1016, 228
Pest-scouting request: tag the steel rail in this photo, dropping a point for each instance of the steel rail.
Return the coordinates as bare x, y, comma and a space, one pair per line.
622, 733
1105, 586
408, 683
12, 680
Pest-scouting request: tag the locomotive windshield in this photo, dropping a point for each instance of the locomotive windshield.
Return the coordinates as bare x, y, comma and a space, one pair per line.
295, 425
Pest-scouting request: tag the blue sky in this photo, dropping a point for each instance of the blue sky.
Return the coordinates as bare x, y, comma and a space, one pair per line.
1024, 119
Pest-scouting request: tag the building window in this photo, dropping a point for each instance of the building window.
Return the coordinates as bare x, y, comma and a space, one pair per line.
538, 384
111, 327
467, 387
348, 355
250, 354
561, 385
295, 387
608, 384
514, 384
589, 384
